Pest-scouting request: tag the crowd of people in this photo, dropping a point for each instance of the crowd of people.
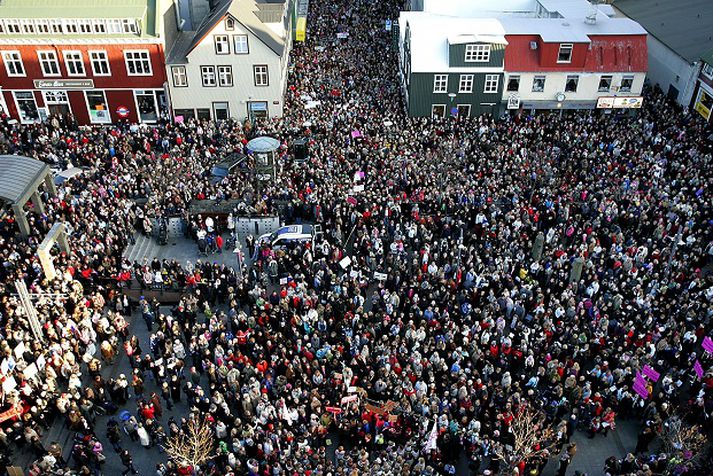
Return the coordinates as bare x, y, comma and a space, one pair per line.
499, 269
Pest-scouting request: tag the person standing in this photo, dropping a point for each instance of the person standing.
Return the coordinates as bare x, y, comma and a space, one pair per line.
128, 461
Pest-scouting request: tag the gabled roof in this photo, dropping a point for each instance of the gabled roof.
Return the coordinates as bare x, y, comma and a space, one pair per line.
685, 26
248, 13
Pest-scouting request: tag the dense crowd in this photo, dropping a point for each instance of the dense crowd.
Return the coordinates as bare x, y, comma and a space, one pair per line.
463, 308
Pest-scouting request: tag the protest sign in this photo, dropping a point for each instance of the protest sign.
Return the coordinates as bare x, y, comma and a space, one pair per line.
651, 373
698, 368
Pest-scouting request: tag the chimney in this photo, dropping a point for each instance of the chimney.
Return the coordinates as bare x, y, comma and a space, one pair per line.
591, 18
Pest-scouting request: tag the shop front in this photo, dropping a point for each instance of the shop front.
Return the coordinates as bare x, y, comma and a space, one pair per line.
704, 100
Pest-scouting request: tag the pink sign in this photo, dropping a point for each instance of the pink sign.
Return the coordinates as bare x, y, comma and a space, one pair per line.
352, 200
698, 368
640, 380
708, 344
643, 392
355, 134
651, 373
179, 119
349, 399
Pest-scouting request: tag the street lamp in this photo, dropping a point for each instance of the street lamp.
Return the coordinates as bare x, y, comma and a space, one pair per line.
451, 97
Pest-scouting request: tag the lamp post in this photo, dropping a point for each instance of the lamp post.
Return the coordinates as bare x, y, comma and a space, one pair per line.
451, 97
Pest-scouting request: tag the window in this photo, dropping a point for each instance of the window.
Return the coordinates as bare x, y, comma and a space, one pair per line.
26, 106
491, 83
707, 70
477, 53
513, 84
180, 78
570, 86
43, 26
129, 26
85, 26
97, 106
222, 45
604, 84
229, 24
13, 63
465, 85
627, 82
2, 27
225, 76
114, 26
137, 62
463, 110
100, 63
440, 83
438, 110
261, 76
28, 26
538, 84
240, 43
12, 26
74, 62
56, 97
99, 26
70, 26
208, 76
56, 26
49, 63
565, 53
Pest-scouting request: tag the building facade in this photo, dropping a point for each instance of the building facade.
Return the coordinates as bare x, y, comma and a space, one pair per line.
100, 64
573, 74
455, 73
679, 34
531, 54
703, 96
235, 64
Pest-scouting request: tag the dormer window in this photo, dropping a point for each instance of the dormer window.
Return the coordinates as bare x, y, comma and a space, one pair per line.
477, 53
230, 24
565, 53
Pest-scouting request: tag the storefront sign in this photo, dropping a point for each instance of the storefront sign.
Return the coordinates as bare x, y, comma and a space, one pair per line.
704, 104
64, 83
612, 102
122, 111
514, 101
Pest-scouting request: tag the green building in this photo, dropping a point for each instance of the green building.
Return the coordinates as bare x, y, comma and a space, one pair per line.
451, 66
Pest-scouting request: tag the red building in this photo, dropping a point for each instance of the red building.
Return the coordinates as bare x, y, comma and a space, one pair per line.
102, 65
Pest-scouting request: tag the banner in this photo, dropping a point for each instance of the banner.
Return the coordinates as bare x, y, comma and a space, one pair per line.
698, 368
616, 102
651, 373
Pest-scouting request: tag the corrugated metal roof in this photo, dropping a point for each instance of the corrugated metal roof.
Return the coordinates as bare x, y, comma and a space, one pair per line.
17, 174
73, 8
685, 26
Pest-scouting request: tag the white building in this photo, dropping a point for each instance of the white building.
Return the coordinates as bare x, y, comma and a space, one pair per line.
235, 64
680, 33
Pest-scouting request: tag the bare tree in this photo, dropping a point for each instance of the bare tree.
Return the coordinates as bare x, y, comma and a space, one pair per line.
193, 447
531, 437
682, 443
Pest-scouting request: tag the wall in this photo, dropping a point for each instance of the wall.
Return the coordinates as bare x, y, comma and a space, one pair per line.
422, 97
243, 89
665, 65
587, 89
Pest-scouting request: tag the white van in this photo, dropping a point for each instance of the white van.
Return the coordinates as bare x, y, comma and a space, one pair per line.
290, 234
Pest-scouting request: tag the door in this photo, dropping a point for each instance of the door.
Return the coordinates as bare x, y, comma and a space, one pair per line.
257, 110
438, 110
57, 103
221, 111
3, 105
147, 106
672, 92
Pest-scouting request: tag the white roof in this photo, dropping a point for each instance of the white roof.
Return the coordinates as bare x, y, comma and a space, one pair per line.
567, 30
476, 38
479, 8
430, 35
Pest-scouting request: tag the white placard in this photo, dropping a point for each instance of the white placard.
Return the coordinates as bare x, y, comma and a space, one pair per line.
345, 262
